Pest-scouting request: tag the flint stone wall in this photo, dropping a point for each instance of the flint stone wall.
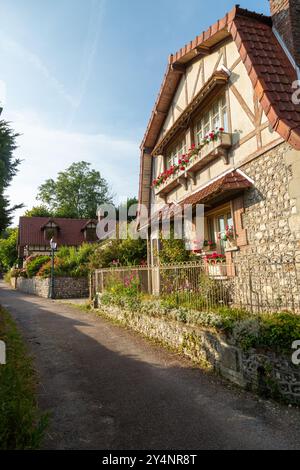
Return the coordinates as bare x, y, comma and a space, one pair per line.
263, 372
64, 287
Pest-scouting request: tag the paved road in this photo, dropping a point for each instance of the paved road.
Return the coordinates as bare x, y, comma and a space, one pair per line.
108, 388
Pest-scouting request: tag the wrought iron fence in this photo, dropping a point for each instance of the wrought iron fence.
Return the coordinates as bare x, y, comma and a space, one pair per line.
258, 287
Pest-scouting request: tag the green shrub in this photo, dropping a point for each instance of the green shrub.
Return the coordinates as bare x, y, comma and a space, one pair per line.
33, 266
123, 252
280, 330
8, 248
21, 425
7, 277
15, 272
126, 295
275, 332
69, 262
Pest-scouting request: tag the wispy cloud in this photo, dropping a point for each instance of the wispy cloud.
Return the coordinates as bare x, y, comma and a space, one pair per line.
20, 52
91, 46
46, 151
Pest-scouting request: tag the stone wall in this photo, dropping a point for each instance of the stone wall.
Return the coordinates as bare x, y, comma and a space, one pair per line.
269, 207
64, 287
272, 210
260, 371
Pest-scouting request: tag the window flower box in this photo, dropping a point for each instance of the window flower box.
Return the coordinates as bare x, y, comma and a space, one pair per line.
216, 265
218, 270
211, 151
198, 158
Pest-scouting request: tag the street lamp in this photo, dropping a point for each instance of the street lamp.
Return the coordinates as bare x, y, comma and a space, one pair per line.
53, 246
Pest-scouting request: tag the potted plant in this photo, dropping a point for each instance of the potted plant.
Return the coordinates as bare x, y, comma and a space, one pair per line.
210, 245
229, 236
216, 265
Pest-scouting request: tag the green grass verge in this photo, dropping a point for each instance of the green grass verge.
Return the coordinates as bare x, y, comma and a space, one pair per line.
21, 425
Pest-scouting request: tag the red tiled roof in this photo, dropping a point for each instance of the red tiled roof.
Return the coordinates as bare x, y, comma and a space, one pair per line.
270, 71
272, 75
231, 182
70, 231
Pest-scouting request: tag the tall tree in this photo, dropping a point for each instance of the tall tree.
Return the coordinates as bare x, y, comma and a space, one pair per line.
38, 211
76, 193
8, 169
130, 203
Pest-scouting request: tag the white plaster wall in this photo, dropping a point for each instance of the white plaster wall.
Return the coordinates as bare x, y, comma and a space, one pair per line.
241, 125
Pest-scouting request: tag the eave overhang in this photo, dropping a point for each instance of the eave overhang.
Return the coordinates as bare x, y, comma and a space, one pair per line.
221, 190
217, 81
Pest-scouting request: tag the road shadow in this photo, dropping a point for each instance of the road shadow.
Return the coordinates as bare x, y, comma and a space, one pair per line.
107, 388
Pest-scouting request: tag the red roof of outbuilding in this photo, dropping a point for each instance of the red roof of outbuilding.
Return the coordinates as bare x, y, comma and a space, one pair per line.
70, 232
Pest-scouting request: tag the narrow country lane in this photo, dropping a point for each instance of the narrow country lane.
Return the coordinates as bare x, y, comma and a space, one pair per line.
107, 388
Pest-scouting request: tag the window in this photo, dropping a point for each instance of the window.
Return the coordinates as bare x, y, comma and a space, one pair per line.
50, 231
91, 235
176, 153
213, 119
216, 223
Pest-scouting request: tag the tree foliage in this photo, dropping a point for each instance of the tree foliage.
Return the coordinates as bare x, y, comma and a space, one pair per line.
8, 249
131, 203
8, 169
76, 193
38, 211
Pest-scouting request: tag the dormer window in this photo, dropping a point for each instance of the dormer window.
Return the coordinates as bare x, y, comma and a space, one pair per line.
50, 230
90, 234
213, 119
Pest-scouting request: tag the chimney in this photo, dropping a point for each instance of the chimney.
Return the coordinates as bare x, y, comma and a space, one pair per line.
286, 21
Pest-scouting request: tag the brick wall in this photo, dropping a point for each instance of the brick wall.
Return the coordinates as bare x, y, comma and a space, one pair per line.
64, 288
286, 14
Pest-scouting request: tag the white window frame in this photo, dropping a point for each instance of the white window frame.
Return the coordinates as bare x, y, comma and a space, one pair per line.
201, 128
176, 153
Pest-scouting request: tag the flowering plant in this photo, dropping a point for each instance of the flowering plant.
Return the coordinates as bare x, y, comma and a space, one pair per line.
212, 136
197, 247
181, 166
115, 263
165, 175
229, 234
209, 243
206, 243
184, 161
215, 258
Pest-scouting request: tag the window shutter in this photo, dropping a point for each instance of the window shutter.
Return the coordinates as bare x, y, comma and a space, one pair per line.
238, 211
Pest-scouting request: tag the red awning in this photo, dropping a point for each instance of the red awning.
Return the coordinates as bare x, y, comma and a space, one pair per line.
226, 186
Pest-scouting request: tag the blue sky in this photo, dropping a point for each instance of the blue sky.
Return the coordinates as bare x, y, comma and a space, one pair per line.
79, 79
